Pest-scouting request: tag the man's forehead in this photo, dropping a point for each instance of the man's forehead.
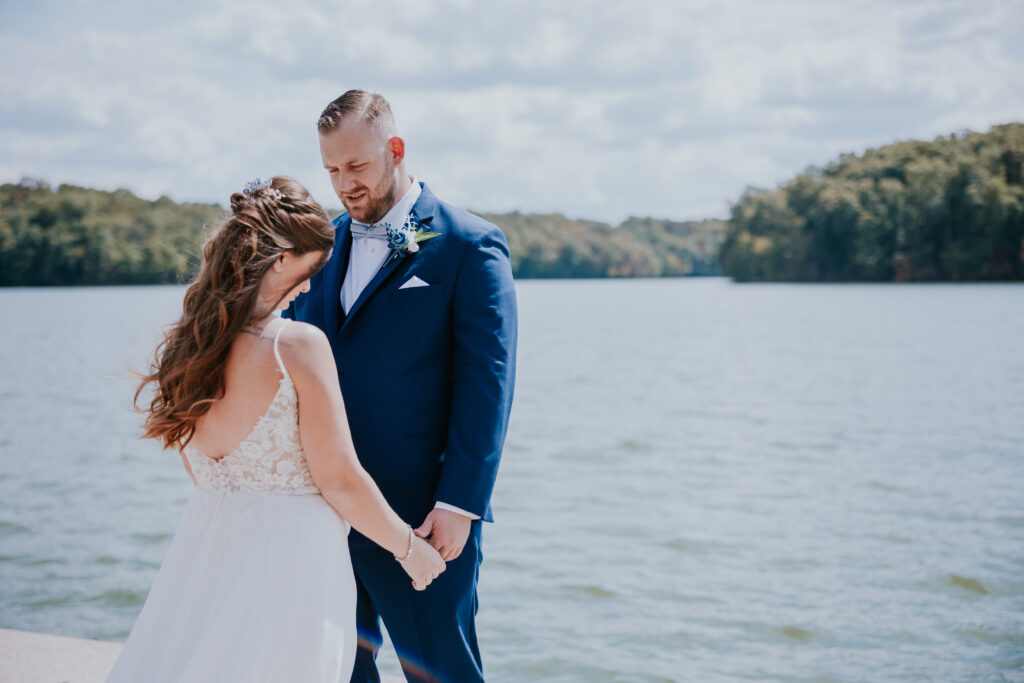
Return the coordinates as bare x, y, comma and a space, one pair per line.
353, 134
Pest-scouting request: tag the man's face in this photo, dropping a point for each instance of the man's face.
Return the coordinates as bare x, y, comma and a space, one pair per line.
362, 167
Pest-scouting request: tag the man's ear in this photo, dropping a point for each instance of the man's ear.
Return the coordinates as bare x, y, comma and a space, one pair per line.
397, 146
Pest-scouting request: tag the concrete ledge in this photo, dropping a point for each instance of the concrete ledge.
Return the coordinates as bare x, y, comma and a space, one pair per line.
39, 658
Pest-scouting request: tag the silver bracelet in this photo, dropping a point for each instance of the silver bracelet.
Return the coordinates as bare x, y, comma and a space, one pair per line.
409, 551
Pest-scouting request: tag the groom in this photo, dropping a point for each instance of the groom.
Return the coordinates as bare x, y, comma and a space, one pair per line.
424, 335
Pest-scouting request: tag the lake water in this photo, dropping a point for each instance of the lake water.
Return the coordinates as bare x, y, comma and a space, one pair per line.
703, 481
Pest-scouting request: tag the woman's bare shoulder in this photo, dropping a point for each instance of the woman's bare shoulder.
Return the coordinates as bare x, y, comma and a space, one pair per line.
304, 347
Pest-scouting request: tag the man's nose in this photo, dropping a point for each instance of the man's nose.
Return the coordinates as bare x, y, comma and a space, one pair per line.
346, 181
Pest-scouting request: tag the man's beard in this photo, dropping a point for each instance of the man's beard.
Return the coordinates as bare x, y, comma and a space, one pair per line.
376, 208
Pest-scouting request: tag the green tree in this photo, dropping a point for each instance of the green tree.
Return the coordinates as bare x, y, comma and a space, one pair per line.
952, 209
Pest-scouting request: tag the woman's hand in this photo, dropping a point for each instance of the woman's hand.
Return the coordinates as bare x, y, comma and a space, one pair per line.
424, 564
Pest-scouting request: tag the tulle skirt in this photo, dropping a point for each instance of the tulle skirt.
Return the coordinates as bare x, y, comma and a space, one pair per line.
255, 587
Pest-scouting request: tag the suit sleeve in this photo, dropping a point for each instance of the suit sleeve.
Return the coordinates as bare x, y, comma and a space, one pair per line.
484, 324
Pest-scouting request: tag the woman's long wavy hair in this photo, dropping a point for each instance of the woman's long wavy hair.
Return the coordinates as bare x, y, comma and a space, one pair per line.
189, 364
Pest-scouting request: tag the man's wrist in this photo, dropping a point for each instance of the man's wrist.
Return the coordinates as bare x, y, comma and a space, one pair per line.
459, 511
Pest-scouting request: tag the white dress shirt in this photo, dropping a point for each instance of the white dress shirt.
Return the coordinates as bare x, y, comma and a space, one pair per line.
366, 258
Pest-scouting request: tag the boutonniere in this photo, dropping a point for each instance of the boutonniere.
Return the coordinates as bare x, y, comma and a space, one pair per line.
406, 239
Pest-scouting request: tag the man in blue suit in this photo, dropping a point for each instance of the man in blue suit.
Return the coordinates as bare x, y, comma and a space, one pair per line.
423, 326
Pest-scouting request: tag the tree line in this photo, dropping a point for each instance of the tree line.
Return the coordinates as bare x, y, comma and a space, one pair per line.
553, 246
80, 236
947, 210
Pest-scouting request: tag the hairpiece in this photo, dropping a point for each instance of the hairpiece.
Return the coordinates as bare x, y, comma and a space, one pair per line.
258, 189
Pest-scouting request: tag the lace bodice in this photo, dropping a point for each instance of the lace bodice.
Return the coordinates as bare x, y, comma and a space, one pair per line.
270, 458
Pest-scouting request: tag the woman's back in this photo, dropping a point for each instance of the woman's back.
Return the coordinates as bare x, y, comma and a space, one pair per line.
249, 439
252, 378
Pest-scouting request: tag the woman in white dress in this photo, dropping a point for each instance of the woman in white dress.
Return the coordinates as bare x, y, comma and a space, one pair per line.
257, 584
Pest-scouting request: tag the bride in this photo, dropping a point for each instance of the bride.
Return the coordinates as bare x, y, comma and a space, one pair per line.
257, 584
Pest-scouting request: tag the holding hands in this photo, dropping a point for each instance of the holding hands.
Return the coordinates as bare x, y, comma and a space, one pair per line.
440, 539
447, 532
421, 562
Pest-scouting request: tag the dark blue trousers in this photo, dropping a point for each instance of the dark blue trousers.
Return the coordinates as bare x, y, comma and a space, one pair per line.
433, 631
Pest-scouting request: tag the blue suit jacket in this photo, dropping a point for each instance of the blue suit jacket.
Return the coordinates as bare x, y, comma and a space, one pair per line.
427, 373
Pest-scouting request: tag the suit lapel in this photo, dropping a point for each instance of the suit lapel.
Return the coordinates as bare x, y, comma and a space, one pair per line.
390, 264
423, 213
334, 274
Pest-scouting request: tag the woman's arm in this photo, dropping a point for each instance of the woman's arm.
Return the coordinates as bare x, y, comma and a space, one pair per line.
327, 442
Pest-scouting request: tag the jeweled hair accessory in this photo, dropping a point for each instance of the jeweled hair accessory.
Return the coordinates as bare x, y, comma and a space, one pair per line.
261, 189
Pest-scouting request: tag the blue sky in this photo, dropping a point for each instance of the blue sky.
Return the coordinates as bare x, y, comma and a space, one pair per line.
595, 110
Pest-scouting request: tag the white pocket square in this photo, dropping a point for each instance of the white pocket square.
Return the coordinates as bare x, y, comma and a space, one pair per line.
414, 282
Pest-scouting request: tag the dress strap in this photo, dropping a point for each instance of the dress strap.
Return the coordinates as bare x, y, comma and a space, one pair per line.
277, 354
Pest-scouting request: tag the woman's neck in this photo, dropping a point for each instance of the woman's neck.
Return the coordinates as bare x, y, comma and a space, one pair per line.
258, 326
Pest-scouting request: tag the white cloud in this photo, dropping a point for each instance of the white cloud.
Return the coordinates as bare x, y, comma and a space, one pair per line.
642, 108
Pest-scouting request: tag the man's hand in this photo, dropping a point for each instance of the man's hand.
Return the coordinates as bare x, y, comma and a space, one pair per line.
447, 531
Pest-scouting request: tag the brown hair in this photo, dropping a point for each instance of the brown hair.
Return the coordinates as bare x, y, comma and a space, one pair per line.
369, 107
189, 364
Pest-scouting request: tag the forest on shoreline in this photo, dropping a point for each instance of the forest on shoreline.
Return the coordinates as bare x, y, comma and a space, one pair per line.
947, 210
79, 236
951, 210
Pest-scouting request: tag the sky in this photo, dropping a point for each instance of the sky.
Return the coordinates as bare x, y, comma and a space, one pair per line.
664, 108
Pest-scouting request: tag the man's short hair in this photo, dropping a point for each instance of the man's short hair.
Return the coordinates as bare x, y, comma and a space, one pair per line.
365, 106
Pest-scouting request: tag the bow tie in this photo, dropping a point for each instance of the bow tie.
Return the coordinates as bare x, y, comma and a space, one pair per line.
375, 232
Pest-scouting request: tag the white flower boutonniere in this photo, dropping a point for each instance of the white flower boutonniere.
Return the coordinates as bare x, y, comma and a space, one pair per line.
406, 239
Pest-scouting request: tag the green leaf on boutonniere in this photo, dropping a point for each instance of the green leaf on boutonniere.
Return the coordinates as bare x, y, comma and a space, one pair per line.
421, 236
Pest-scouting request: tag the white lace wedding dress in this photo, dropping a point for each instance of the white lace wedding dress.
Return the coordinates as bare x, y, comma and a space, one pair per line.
257, 584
